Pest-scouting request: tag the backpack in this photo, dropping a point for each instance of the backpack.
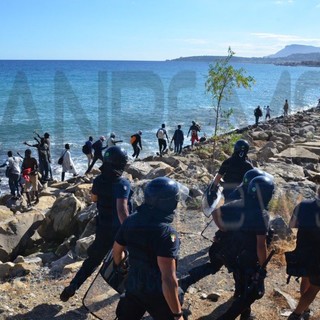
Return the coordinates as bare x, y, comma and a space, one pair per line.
160, 134
133, 139
85, 149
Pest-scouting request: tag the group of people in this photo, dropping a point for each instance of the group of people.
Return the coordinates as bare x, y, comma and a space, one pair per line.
241, 243
258, 112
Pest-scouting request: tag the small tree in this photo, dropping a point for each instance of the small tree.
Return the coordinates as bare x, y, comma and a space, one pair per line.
221, 80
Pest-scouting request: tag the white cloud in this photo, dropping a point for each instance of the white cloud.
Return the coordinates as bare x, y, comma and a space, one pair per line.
283, 2
285, 38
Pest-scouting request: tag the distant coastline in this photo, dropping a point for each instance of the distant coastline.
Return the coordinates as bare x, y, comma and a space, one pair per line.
307, 60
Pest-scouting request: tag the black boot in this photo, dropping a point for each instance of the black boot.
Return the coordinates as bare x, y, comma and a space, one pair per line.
294, 316
62, 176
68, 292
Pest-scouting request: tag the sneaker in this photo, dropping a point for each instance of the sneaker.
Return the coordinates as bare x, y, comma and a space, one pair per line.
294, 316
68, 292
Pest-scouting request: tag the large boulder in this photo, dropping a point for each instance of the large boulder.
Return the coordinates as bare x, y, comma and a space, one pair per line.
299, 155
16, 232
61, 219
139, 169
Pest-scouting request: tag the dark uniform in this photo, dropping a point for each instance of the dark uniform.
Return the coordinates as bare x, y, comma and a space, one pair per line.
146, 239
233, 169
242, 259
107, 188
107, 223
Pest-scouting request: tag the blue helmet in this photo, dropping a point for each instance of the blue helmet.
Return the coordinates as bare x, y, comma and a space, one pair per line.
116, 157
261, 189
162, 193
241, 148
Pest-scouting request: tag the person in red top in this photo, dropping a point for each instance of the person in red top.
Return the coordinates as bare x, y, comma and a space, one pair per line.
30, 168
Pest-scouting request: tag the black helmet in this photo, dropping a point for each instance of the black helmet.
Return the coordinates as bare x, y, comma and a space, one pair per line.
241, 148
249, 175
261, 188
162, 193
116, 157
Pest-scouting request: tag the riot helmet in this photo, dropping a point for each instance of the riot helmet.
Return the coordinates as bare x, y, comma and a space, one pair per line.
261, 189
249, 175
241, 148
116, 158
162, 193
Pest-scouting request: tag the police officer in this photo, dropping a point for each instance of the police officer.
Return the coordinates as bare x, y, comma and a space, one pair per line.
153, 247
306, 217
222, 240
249, 245
112, 194
233, 169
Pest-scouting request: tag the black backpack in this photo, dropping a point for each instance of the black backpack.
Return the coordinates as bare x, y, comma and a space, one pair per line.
85, 149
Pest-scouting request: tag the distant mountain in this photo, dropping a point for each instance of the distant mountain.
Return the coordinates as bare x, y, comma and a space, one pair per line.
295, 49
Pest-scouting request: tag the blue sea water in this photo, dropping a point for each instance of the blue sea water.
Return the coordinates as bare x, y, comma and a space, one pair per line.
74, 99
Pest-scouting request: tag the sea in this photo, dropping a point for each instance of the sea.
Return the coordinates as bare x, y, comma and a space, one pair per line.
72, 100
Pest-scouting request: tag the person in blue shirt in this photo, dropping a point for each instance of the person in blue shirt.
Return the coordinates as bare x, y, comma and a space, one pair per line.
153, 247
112, 194
87, 150
178, 139
306, 217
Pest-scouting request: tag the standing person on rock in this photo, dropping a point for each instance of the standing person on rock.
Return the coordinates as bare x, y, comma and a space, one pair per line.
268, 114
135, 141
67, 164
286, 109
29, 170
306, 217
153, 246
13, 173
112, 194
163, 139
178, 138
257, 114
194, 129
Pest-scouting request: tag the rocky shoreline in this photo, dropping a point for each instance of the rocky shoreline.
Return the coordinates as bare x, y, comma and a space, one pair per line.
41, 248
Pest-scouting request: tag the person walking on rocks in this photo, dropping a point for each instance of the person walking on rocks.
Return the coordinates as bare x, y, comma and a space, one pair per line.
153, 246
306, 218
97, 148
135, 141
112, 194
163, 139
248, 250
194, 129
112, 140
286, 109
233, 169
257, 114
177, 139
67, 164
87, 150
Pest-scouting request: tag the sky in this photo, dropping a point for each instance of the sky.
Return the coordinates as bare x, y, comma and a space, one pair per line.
153, 29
